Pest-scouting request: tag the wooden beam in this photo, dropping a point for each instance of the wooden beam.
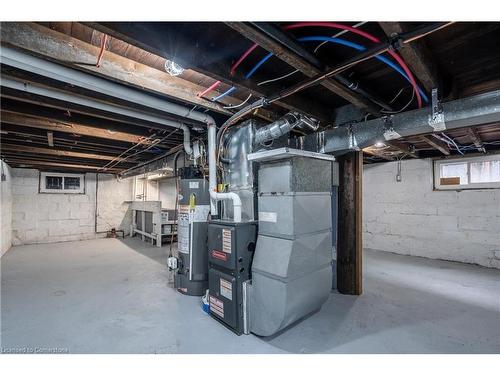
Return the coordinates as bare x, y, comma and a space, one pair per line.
27, 162
404, 148
377, 152
195, 54
50, 139
475, 137
350, 240
297, 62
436, 143
417, 56
48, 151
67, 127
76, 53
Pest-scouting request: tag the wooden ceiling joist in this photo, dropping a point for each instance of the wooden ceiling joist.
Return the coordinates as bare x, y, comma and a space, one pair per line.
378, 153
19, 161
68, 127
436, 143
417, 56
47, 151
475, 138
74, 52
299, 63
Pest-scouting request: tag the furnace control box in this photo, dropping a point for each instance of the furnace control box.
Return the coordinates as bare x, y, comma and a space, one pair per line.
231, 247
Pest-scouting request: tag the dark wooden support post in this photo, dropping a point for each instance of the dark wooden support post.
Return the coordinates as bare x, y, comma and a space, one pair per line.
350, 239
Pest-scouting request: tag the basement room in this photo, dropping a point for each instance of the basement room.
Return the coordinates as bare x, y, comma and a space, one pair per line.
208, 186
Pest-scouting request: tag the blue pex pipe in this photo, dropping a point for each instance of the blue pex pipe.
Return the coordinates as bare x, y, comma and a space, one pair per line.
346, 43
359, 47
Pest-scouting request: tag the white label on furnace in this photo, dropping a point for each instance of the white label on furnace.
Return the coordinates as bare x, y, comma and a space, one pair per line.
226, 289
226, 240
194, 185
216, 306
271, 217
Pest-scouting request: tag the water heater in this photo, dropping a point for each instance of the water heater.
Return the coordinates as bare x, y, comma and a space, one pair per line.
193, 211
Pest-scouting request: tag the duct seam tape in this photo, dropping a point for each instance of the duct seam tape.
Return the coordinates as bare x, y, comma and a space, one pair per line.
271, 217
436, 121
391, 134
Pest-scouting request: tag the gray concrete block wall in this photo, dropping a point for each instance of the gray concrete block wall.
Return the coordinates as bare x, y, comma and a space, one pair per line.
44, 217
113, 207
410, 218
6, 209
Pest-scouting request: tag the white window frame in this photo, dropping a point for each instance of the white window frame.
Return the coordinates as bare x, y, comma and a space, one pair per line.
468, 160
44, 189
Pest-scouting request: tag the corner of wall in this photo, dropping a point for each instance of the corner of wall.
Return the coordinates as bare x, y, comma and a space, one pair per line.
6, 208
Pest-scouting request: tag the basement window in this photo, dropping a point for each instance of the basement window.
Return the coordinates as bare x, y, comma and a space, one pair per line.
65, 183
482, 172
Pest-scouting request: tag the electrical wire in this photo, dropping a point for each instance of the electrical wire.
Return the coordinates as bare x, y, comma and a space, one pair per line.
101, 52
127, 150
397, 95
239, 105
278, 78
154, 143
339, 34
453, 142
404, 107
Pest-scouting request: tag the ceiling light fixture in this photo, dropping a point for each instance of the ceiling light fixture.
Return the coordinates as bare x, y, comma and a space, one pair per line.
173, 68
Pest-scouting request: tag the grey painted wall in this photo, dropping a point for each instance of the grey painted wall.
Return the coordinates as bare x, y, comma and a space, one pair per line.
6, 209
410, 218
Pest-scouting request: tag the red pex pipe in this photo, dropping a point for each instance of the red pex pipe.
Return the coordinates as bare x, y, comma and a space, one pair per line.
348, 28
233, 69
200, 94
367, 36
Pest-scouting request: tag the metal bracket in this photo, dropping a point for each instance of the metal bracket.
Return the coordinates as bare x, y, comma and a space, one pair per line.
389, 132
436, 118
395, 42
353, 143
321, 142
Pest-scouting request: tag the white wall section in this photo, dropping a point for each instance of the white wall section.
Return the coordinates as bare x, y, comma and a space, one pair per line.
410, 218
6, 208
45, 217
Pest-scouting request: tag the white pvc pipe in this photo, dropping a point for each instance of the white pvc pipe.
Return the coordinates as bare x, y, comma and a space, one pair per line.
212, 179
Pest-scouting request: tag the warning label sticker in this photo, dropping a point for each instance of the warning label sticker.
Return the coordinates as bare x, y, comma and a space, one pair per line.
226, 289
270, 217
216, 306
183, 229
219, 255
226, 240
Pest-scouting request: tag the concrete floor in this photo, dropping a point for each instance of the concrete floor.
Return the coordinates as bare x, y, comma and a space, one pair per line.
115, 296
